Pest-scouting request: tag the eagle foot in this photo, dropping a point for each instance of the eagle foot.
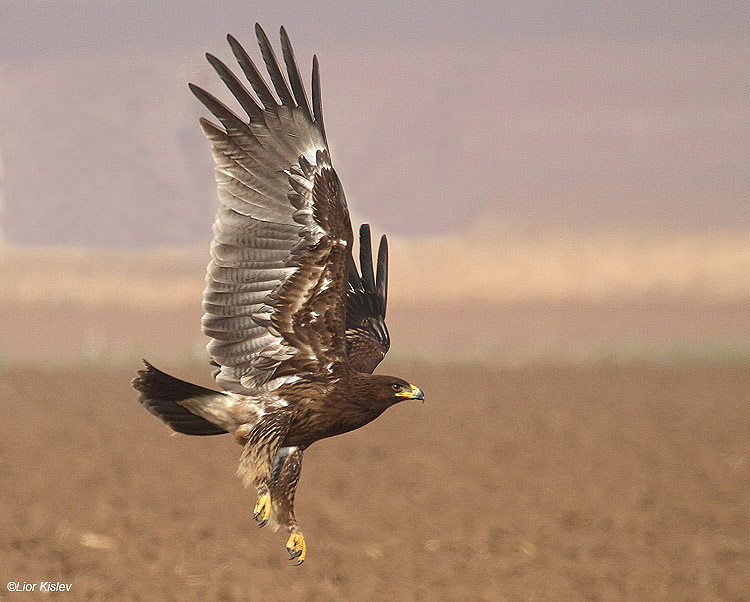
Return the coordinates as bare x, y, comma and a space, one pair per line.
296, 547
262, 511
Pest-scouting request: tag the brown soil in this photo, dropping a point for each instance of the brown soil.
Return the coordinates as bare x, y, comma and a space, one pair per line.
548, 482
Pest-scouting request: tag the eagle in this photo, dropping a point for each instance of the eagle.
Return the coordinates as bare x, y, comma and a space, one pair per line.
295, 328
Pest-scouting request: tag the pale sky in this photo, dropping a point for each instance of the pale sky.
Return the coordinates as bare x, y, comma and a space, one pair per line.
33, 26
568, 114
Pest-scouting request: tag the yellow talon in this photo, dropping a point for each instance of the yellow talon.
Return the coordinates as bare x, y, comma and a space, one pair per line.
262, 510
296, 547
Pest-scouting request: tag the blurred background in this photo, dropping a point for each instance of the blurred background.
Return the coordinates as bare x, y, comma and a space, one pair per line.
565, 190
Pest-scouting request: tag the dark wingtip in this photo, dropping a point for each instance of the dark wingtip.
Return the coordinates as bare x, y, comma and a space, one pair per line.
274, 69
233, 41
196, 90
365, 258
381, 278
261, 34
317, 102
295, 79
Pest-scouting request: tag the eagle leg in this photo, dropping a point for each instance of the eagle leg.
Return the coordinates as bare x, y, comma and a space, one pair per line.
257, 460
284, 478
287, 467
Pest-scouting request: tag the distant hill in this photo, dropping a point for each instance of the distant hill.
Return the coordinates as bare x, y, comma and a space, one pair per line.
479, 266
482, 294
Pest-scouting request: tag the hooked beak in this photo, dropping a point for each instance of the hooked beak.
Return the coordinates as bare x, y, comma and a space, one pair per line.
413, 393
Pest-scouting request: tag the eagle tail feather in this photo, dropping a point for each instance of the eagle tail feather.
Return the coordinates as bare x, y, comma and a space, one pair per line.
161, 395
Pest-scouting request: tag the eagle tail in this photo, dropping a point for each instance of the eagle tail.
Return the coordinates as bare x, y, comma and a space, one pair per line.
161, 395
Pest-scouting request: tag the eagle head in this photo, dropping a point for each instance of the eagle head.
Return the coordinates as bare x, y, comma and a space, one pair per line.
389, 390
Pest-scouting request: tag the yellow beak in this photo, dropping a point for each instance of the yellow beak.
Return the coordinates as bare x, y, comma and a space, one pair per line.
412, 393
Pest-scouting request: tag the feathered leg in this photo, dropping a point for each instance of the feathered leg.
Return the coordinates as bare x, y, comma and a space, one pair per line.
284, 479
262, 443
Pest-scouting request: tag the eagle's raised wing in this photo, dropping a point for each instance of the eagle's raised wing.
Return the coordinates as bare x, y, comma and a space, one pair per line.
275, 287
367, 338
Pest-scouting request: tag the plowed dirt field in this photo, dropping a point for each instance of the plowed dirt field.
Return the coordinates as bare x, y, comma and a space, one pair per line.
608, 482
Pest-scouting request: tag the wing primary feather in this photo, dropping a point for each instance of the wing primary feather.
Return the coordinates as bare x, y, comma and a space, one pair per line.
365, 258
382, 274
223, 113
274, 71
355, 282
210, 129
243, 96
259, 85
316, 98
293, 72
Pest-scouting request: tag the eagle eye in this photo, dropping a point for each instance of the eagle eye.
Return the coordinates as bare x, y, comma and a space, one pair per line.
396, 386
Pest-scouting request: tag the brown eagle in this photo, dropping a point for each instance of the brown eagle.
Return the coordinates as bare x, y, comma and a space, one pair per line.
295, 329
